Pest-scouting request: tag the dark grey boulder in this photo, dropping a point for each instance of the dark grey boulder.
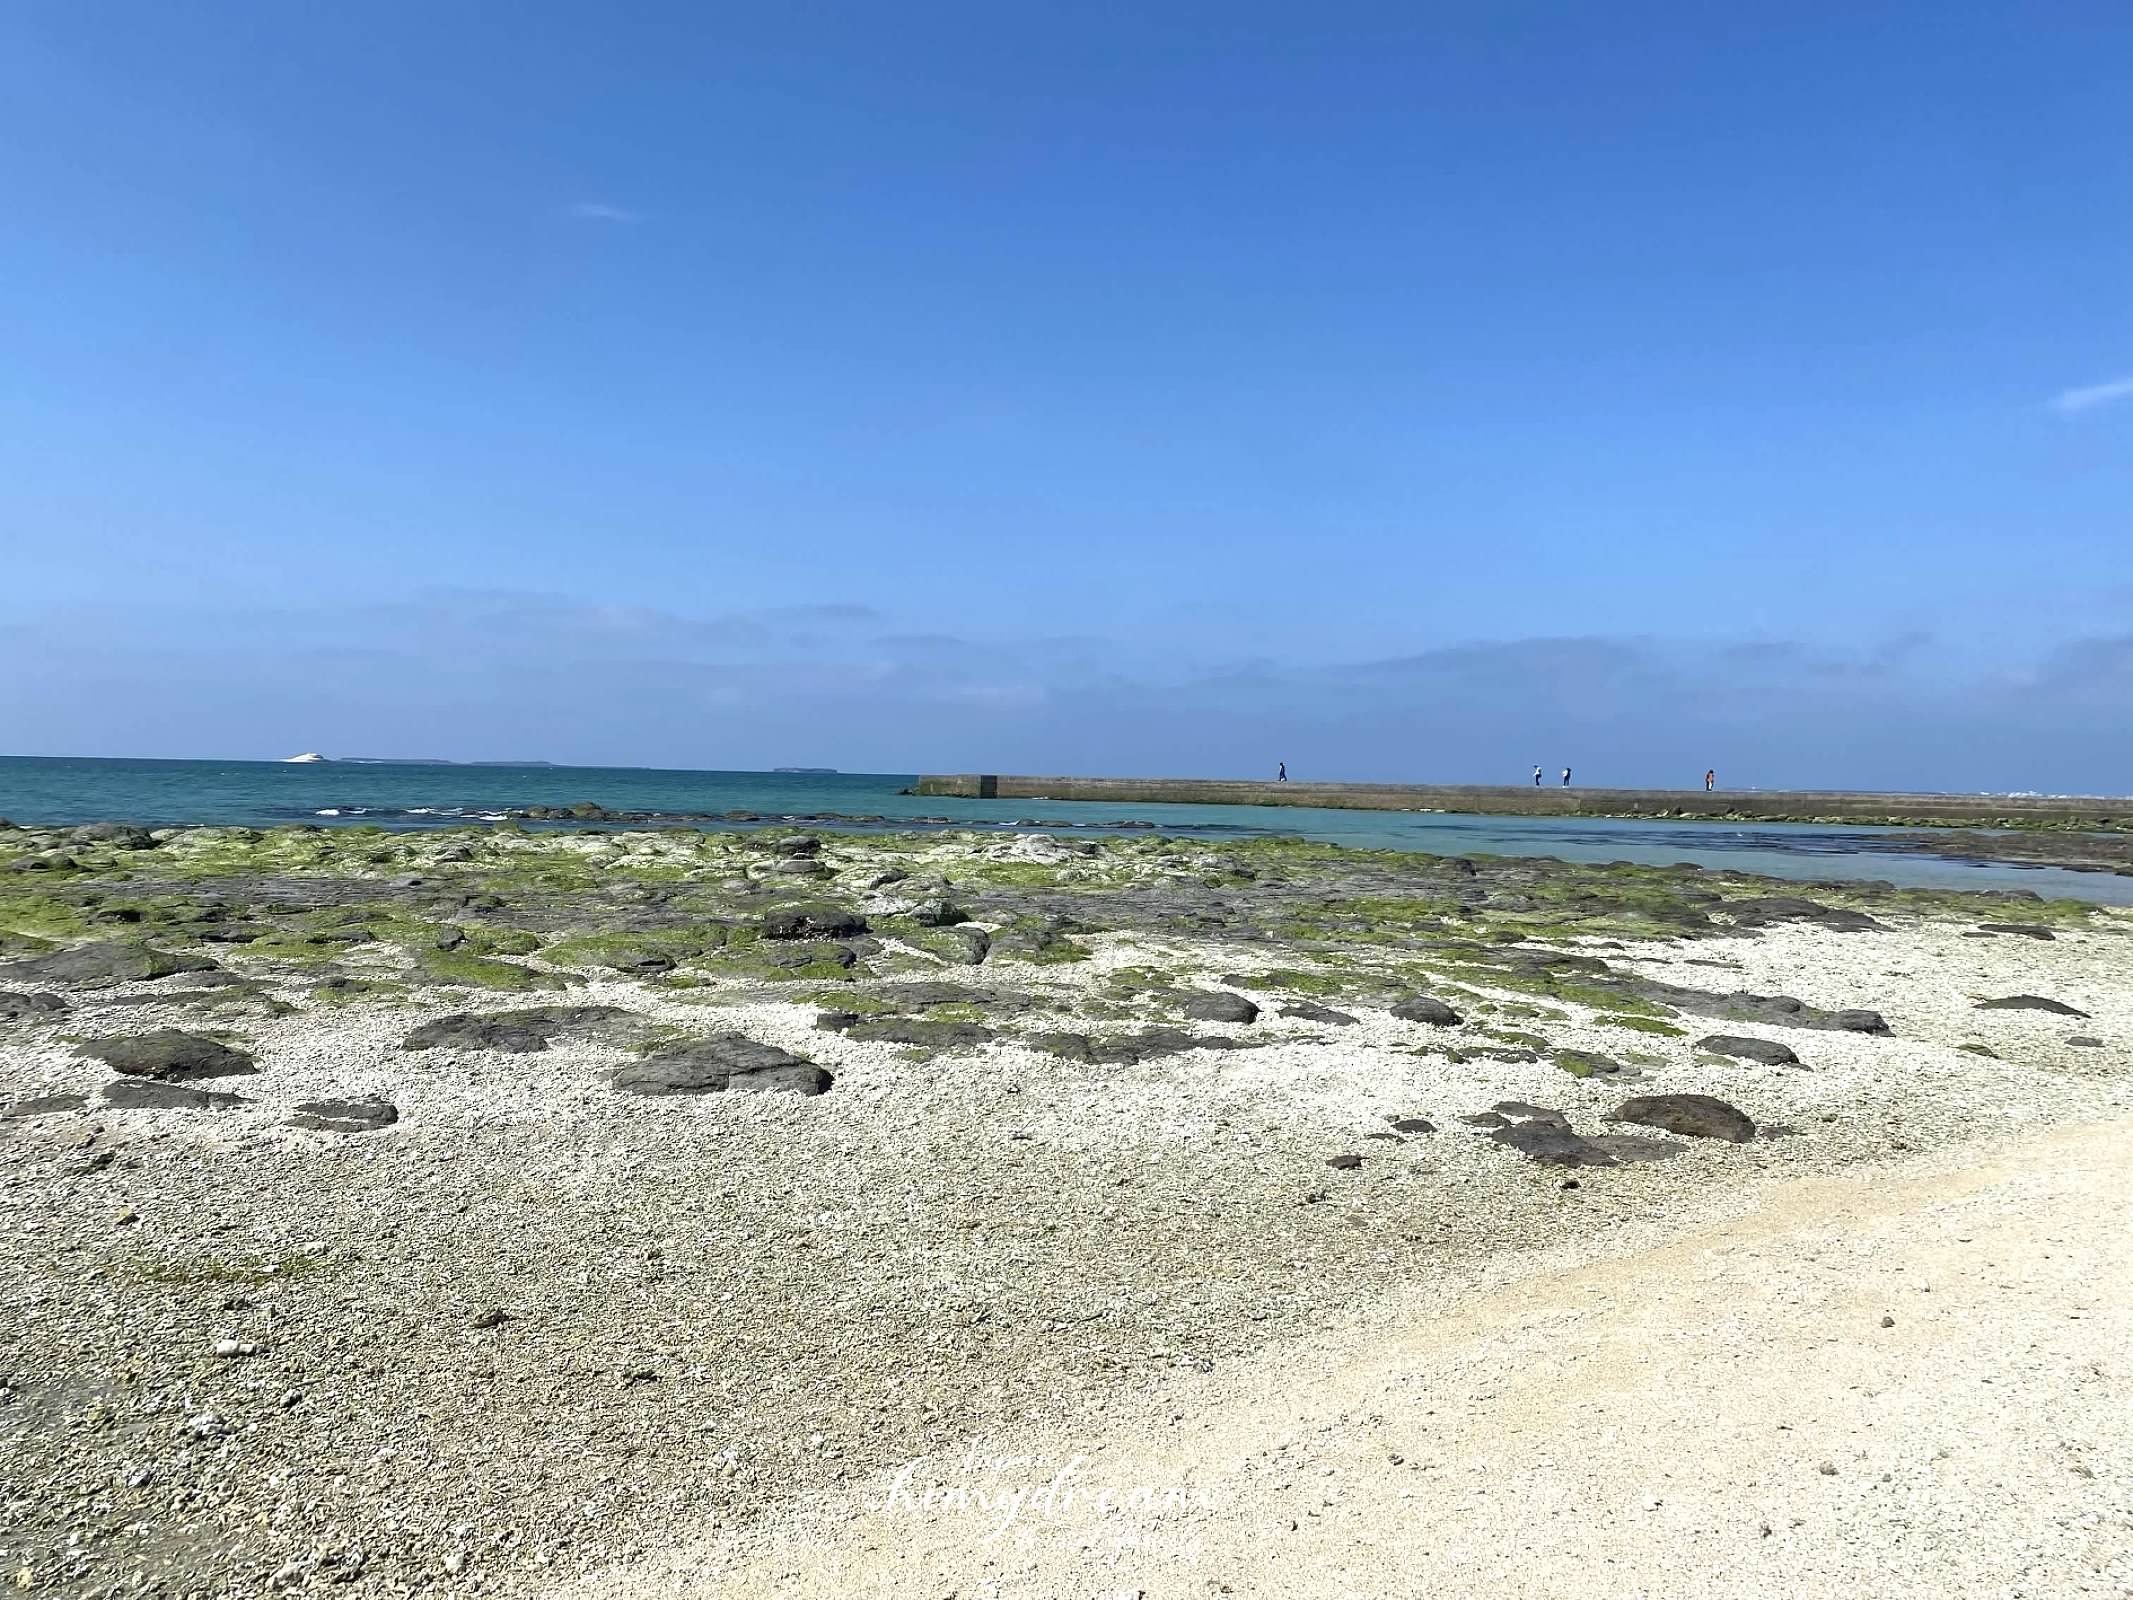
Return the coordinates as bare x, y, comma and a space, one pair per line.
1219, 1007
724, 1063
1312, 1011
1551, 1145
918, 995
45, 1105
29, 1007
136, 1094
1768, 1051
1859, 1021
812, 921
103, 963
462, 1031
1699, 1116
2021, 930
1344, 1163
345, 1116
2082, 1041
1412, 1125
169, 1055
1422, 1008
797, 844
966, 945
2032, 1002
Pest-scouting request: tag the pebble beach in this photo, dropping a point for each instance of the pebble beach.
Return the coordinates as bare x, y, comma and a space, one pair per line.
487, 1211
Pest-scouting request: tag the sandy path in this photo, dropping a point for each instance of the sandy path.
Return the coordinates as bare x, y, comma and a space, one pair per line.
1723, 1414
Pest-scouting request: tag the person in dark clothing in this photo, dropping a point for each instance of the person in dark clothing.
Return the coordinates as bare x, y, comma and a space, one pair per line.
1566, 777
1283, 775
1536, 777
1710, 779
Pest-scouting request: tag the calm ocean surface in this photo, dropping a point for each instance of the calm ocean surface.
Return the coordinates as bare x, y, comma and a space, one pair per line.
35, 789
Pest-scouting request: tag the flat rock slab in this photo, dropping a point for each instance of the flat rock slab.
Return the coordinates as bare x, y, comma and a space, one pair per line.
917, 1031
168, 1055
345, 1116
45, 1105
1421, 1008
103, 963
917, 996
1768, 1051
1130, 1049
724, 1063
523, 1031
136, 1094
1551, 1145
1764, 910
1697, 1116
2021, 930
29, 1007
1312, 1011
2032, 1002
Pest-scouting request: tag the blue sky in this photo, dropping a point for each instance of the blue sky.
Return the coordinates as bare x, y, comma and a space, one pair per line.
1405, 391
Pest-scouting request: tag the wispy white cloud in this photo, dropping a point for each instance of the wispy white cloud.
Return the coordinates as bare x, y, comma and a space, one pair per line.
601, 211
2090, 396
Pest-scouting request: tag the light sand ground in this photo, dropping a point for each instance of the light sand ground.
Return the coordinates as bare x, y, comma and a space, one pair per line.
1720, 1414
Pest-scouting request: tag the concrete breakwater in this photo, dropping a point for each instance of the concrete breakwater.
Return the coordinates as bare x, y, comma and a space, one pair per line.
1858, 808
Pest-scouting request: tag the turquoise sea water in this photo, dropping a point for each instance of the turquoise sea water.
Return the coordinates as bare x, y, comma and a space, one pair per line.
36, 789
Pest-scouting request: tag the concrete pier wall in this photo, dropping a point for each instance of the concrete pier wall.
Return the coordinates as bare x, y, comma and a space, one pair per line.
1551, 800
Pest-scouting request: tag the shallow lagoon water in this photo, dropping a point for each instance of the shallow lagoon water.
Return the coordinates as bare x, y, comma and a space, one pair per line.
266, 793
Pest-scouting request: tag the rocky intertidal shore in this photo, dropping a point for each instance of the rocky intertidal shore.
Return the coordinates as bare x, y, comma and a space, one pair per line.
463, 1210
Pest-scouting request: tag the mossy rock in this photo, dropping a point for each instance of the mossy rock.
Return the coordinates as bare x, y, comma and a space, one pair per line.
453, 969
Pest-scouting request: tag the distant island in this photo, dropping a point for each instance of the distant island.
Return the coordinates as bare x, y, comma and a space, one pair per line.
817, 771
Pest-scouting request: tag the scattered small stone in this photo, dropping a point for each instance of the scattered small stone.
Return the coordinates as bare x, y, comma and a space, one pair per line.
1412, 1125
492, 1318
1888, 1322
2083, 1041
1828, 1469
1344, 1163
